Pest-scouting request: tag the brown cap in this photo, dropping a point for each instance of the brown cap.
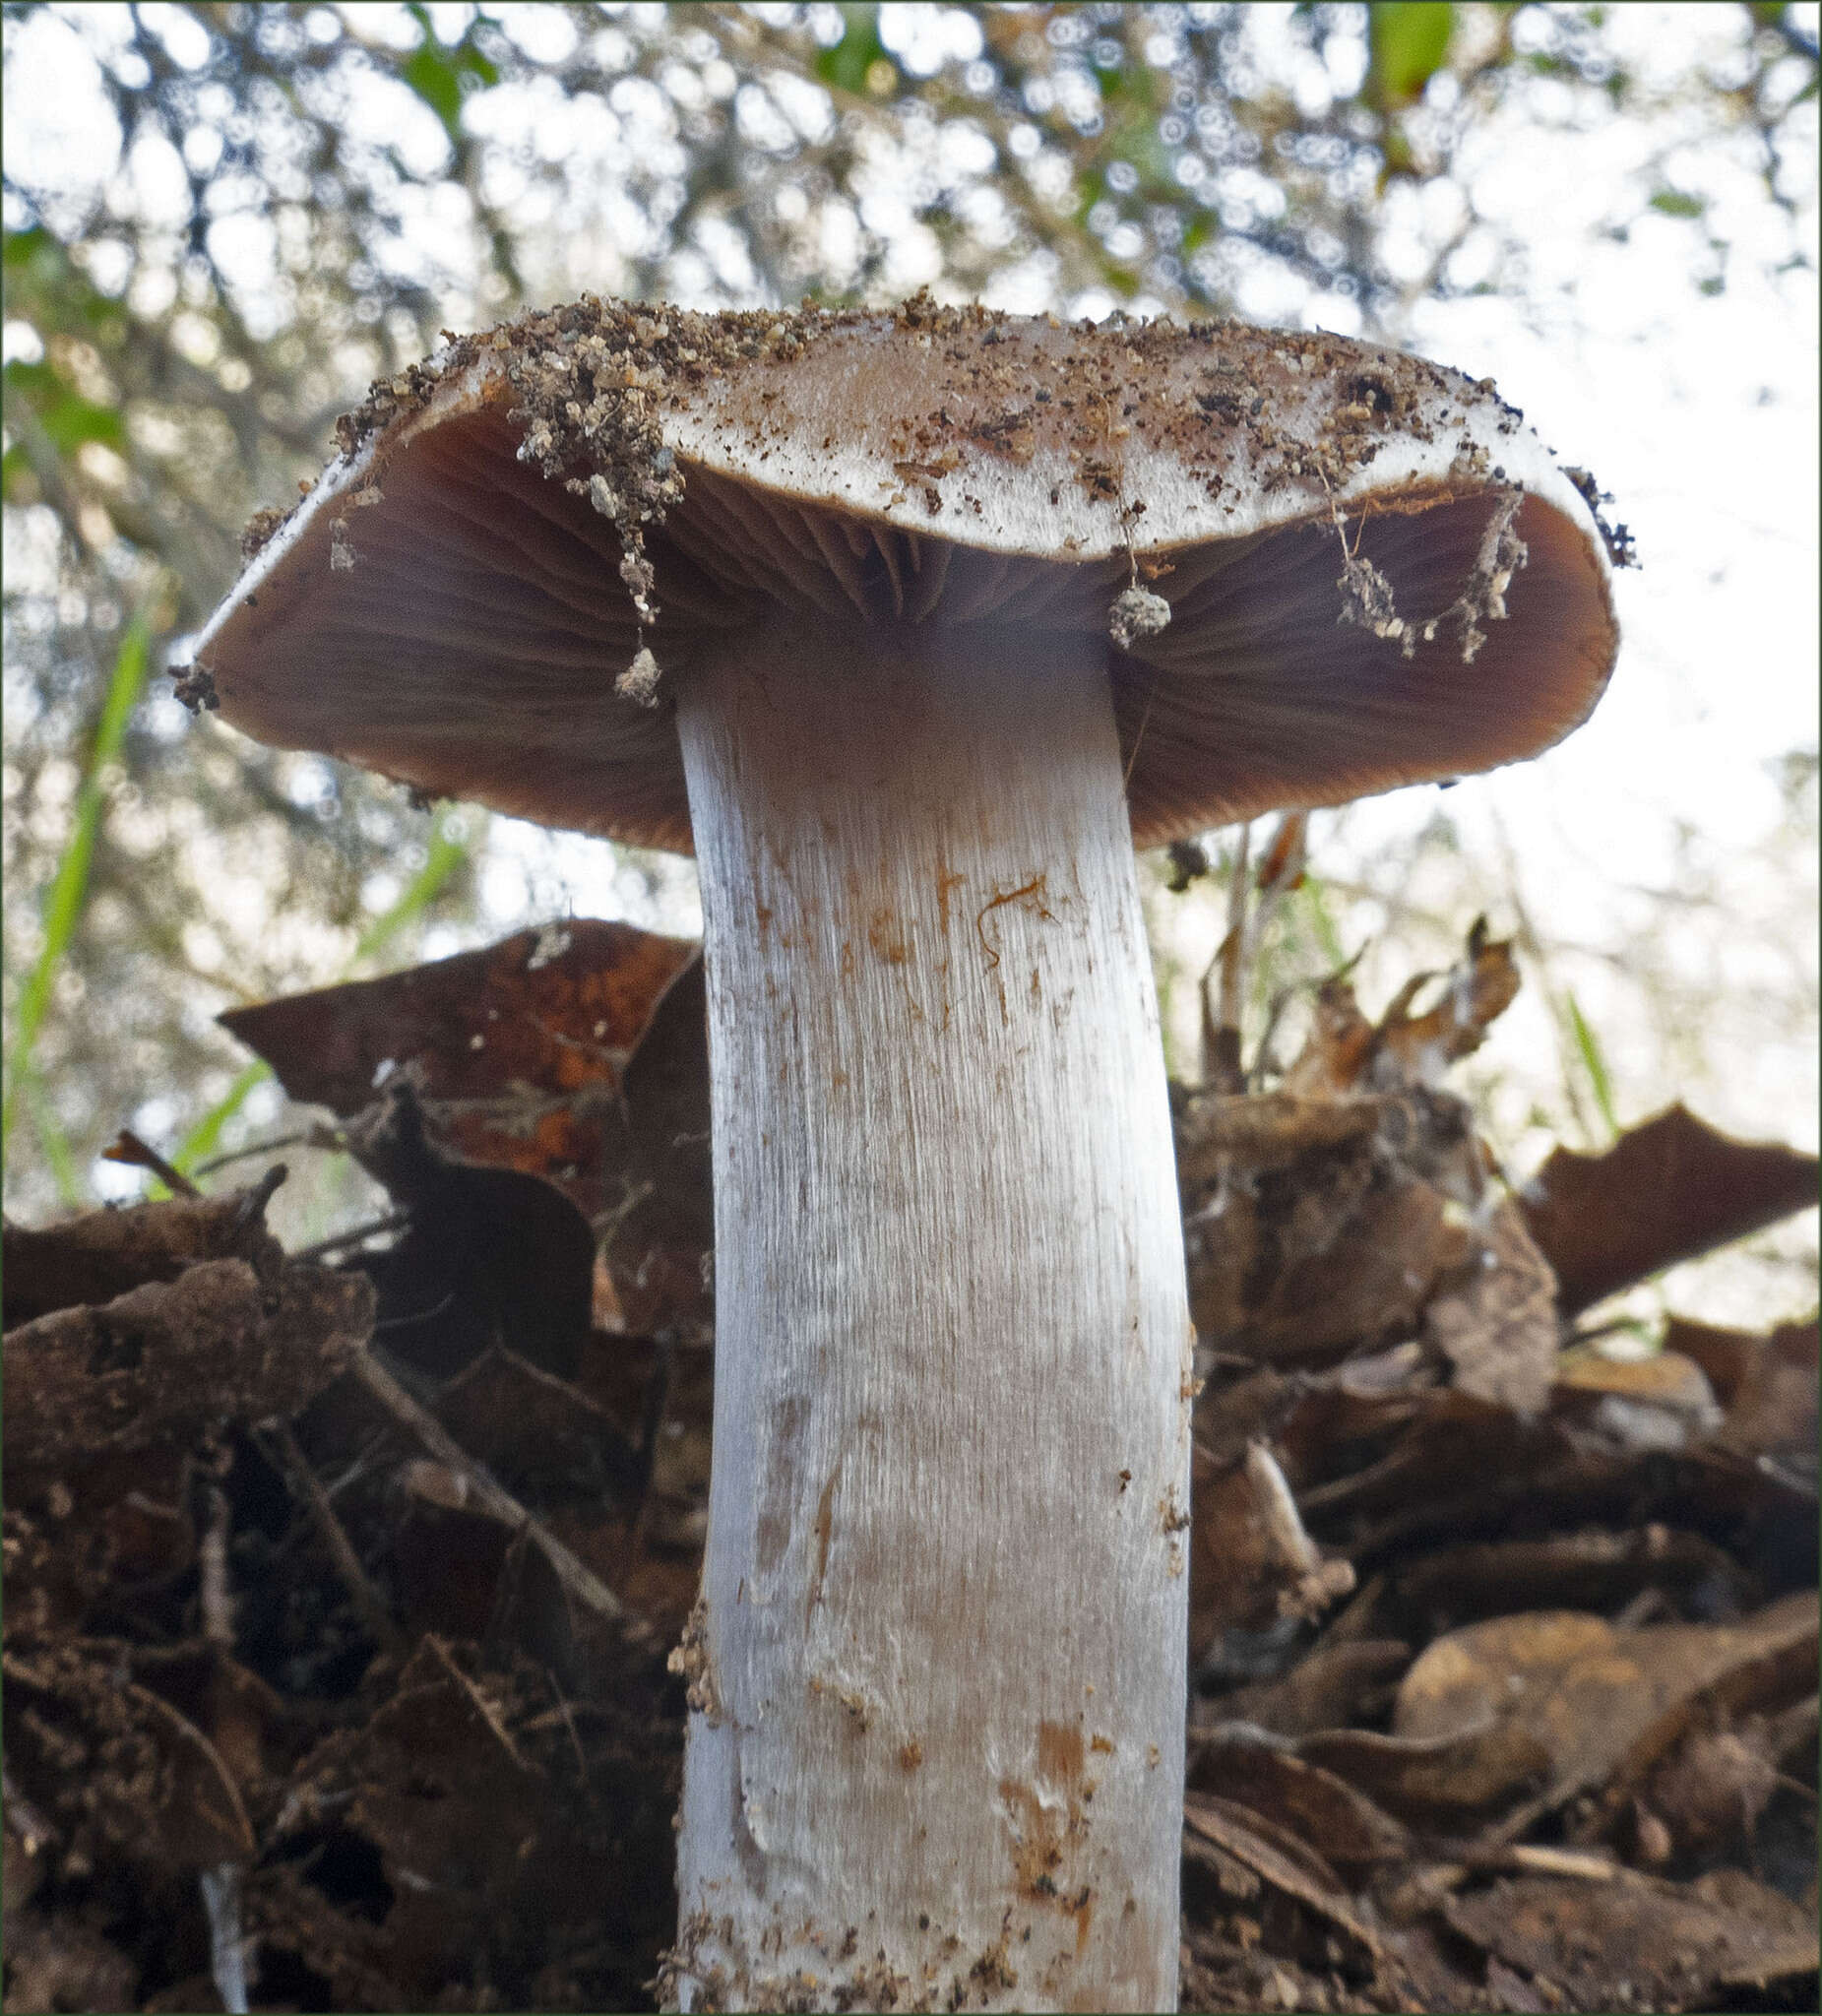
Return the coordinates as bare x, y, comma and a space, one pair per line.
1324, 568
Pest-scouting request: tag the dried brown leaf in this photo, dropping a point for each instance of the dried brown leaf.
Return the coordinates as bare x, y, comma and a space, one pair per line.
1600, 1704
1767, 1384
103, 1254
1494, 1317
169, 1360
516, 1049
1294, 1872
1661, 1401
1638, 1943
1345, 1052
1666, 1191
1440, 1782
1337, 1681
1337, 1820
1251, 1563
119, 1773
490, 1256
658, 1218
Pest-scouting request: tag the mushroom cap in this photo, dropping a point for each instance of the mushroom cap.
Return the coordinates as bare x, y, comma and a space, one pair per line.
1375, 574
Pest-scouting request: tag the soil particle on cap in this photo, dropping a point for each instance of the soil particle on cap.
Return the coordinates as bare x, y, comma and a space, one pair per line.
640, 681
195, 688
593, 383
1484, 596
1617, 538
405, 392
593, 379
1135, 615
262, 527
1367, 599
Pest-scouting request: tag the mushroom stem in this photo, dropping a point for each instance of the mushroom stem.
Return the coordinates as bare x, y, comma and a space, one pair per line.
938, 1669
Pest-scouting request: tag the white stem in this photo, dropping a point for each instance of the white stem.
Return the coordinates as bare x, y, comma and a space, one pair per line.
936, 1758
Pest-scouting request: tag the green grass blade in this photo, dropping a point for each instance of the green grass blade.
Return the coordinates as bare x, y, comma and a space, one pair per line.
1324, 925
53, 1141
1593, 1064
442, 857
64, 901
201, 1140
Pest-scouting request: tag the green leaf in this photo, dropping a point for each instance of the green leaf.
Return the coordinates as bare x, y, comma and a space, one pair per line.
1092, 186
1674, 203
432, 76
22, 247
1594, 1062
69, 888
440, 77
845, 65
38, 380
1407, 41
72, 419
65, 415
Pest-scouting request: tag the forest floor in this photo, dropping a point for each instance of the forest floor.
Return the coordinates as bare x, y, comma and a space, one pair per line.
340, 1587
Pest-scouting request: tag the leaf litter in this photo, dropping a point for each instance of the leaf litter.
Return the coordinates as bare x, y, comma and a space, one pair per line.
338, 1597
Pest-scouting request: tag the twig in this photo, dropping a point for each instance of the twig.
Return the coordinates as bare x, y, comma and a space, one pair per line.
1232, 959
1221, 1027
1279, 873
227, 1961
416, 1315
254, 1201
1143, 722
569, 1723
367, 1601
215, 1594
651, 1427
392, 1221
305, 1137
128, 1147
23, 1817
483, 1706
579, 1582
1539, 1858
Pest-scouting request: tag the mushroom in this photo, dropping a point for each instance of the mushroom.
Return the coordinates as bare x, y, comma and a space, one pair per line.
930, 617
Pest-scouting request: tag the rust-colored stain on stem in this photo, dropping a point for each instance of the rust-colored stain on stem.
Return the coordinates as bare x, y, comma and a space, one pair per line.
886, 938
1033, 889
825, 1526
946, 880
1043, 1837
1060, 1753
